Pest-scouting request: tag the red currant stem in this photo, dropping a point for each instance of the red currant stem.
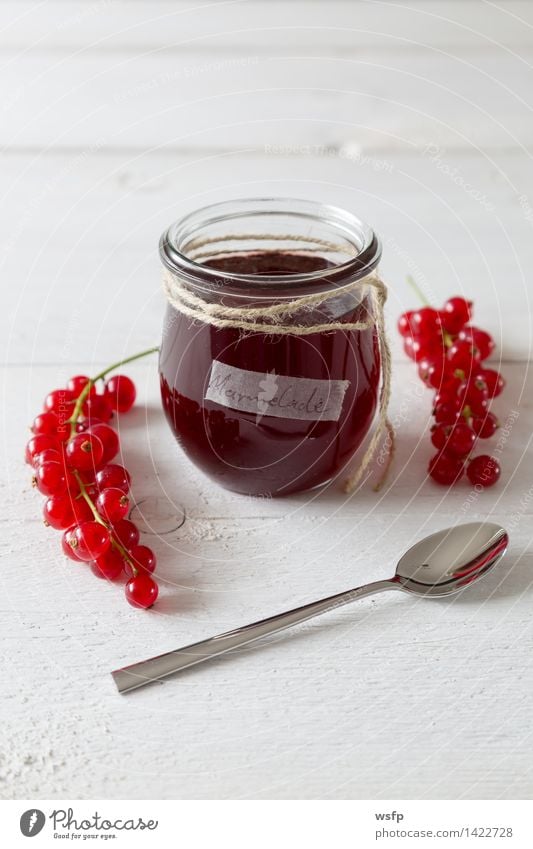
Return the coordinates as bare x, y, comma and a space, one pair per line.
417, 290
97, 518
91, 382
446, 338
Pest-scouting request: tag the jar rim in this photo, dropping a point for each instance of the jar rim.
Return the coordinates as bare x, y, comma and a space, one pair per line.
347, 225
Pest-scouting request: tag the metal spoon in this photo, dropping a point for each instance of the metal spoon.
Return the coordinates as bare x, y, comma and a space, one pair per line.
440, 564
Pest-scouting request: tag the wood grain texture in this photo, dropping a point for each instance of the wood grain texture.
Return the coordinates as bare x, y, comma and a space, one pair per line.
153, 99
245, 73
393, 698
82, 230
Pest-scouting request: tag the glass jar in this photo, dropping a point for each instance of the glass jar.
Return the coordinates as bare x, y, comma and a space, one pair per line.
271, 412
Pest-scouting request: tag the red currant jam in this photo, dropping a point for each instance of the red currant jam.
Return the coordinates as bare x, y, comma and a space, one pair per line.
262, 451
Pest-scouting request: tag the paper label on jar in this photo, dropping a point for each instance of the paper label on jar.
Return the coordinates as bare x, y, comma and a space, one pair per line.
271, 394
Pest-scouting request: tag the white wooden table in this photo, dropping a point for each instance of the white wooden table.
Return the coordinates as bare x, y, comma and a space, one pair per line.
119, 117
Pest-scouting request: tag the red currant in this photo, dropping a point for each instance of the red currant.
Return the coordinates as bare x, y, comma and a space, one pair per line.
78, 383
419, 349
494, 380
461, 439
449, 352
120, 392
91, 490
126, 533
46, 455
63, 429
143, 558
68, 544
431, 372
88, 540
51, 456
39, 443
46, 423
50, 477
426, 323
474, 394
141, 591
58, 512
59, 401
485, 426
97, 409
446, 412
479, 339
109, 439
113, 475
404, 324
483, 471
444, 469
455, 314
82, 511
447, 393
84, 451
439, 435
463, 356
109, 565
113, 504
410, 348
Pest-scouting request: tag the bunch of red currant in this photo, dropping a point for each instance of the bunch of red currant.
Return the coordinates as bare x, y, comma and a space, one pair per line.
71, 451
450, 354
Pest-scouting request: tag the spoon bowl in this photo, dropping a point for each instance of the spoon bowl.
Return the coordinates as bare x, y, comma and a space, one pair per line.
439, 565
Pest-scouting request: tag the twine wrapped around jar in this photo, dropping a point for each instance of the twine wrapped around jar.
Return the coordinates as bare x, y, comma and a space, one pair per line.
278, 319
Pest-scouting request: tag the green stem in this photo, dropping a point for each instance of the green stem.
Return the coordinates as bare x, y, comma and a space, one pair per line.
417, 290
97, 518
92, 380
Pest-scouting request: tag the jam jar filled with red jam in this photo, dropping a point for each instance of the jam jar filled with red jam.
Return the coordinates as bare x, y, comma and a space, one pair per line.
266, 384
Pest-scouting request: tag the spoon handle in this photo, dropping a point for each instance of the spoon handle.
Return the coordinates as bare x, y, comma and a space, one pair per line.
138, 674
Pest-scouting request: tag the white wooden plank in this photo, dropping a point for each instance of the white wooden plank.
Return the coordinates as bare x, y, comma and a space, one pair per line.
153, 99
279, 26
79, 258
375, 687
